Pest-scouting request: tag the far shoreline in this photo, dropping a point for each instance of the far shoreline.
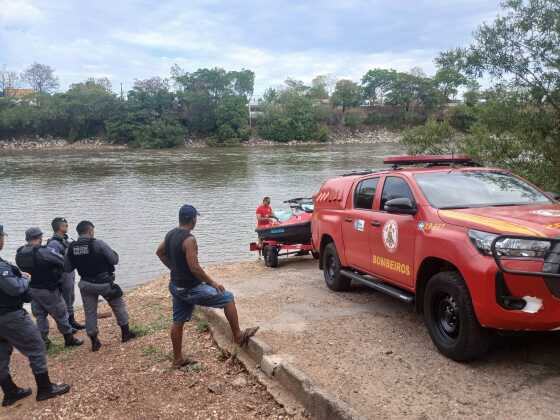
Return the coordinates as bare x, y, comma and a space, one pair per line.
338, 136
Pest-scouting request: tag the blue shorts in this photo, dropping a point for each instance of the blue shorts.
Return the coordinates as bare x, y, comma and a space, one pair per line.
184, 300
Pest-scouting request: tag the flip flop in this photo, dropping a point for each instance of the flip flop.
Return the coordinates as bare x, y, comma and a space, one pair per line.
246, 335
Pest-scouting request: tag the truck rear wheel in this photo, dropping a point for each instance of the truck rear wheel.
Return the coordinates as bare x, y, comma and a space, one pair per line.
331, 270
450, 318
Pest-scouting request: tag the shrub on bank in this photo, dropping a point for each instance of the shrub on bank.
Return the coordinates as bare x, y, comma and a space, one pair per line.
159, 134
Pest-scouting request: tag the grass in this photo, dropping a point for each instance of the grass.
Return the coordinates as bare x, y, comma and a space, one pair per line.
155, 354
161, 323
57, 347
202, 326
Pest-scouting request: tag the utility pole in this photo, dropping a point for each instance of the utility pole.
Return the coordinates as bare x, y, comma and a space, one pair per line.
121, 93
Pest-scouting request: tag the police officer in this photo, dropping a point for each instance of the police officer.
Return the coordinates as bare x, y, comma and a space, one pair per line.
59, 242
46, 267
19, 331
95, 262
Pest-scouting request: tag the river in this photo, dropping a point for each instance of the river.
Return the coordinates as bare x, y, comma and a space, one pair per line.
133, 197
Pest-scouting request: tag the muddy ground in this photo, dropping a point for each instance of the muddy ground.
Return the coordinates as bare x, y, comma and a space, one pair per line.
135, 380
375, 353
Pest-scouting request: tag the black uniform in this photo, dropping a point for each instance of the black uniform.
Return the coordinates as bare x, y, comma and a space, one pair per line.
46, 267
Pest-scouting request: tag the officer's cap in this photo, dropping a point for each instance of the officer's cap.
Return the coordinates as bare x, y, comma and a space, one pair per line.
2, 233
33, 233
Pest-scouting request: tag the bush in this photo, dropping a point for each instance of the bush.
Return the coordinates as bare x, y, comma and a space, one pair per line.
159, 134
432, 138
323, 134
353, 119
290, 117
462, 118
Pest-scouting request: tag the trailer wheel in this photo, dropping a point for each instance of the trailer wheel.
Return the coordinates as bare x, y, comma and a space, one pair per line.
271, 256
331, 270
450, 318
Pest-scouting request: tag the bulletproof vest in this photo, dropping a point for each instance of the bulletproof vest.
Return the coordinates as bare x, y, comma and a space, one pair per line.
181, 274
63, 242
89, 262
9, 303
44, 274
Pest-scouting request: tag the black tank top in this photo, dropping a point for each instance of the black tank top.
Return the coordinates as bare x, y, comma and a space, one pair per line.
181, 275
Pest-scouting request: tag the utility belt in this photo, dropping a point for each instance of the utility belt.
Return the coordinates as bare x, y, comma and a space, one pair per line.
101, 278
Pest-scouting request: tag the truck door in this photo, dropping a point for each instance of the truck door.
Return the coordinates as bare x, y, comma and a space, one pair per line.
392, 243
357, 228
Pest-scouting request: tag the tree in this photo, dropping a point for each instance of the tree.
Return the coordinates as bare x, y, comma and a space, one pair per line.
376, 83
346, 94
8, 80
41, 78
319, 88
521, 46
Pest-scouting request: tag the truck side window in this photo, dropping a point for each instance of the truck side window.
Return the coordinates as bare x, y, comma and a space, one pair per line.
365, 193
395, 187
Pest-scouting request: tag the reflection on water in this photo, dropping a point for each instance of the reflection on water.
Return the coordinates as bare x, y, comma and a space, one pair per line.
133, 197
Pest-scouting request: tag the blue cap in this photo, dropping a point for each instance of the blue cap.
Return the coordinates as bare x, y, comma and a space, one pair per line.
33, 233
188, 211
2, 233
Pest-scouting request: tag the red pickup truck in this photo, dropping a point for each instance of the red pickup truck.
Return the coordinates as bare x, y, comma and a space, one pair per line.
475, 249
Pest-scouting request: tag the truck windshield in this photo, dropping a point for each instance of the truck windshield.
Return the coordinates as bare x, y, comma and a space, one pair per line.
463, 189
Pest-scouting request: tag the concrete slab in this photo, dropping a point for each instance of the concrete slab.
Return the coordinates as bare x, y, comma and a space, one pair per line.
375, 355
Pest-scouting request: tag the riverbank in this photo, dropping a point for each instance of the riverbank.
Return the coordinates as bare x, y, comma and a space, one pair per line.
135, 380
400, 372
338, 135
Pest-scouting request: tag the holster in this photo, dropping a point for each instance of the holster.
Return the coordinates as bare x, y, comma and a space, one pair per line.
115, 293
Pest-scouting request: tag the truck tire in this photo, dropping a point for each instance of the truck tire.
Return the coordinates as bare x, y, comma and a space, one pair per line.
331, 270
271, 256
450, 318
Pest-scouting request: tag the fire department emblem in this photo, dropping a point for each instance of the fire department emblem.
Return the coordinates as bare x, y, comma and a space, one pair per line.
391, 235
547, 213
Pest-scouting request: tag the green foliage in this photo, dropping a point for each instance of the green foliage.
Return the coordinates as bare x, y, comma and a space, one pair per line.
432, 138
462, 117
516, 125
323, 134
353, 119
160, 133
346, 94
376, 83
290, 116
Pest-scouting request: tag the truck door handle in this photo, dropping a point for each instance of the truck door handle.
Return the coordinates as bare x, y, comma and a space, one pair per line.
376, 223
348, 219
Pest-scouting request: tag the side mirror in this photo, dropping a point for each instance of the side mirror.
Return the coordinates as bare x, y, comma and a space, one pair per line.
400, 206
553, 195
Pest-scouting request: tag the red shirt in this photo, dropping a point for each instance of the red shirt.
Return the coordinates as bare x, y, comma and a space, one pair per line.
263, 211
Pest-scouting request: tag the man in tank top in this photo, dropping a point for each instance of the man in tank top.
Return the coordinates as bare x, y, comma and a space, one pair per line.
190, 285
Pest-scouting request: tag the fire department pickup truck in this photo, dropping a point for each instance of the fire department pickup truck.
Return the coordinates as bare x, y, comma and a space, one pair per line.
475, 249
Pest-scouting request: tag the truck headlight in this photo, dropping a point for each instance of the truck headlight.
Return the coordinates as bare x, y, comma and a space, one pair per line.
508, 247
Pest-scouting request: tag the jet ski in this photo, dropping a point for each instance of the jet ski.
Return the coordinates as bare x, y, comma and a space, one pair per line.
292, 228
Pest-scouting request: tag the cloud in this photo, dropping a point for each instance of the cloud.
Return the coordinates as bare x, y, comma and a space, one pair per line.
141, 38
18, 13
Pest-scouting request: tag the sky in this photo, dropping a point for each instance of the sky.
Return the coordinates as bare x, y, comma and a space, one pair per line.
126, 40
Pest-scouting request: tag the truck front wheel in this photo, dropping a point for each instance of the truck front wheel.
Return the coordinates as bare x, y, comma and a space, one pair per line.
331, 270
450, 318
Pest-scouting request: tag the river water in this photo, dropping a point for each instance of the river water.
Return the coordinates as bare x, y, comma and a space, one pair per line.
133, 197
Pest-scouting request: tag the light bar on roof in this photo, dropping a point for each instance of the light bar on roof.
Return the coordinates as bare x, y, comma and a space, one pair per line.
418, 159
